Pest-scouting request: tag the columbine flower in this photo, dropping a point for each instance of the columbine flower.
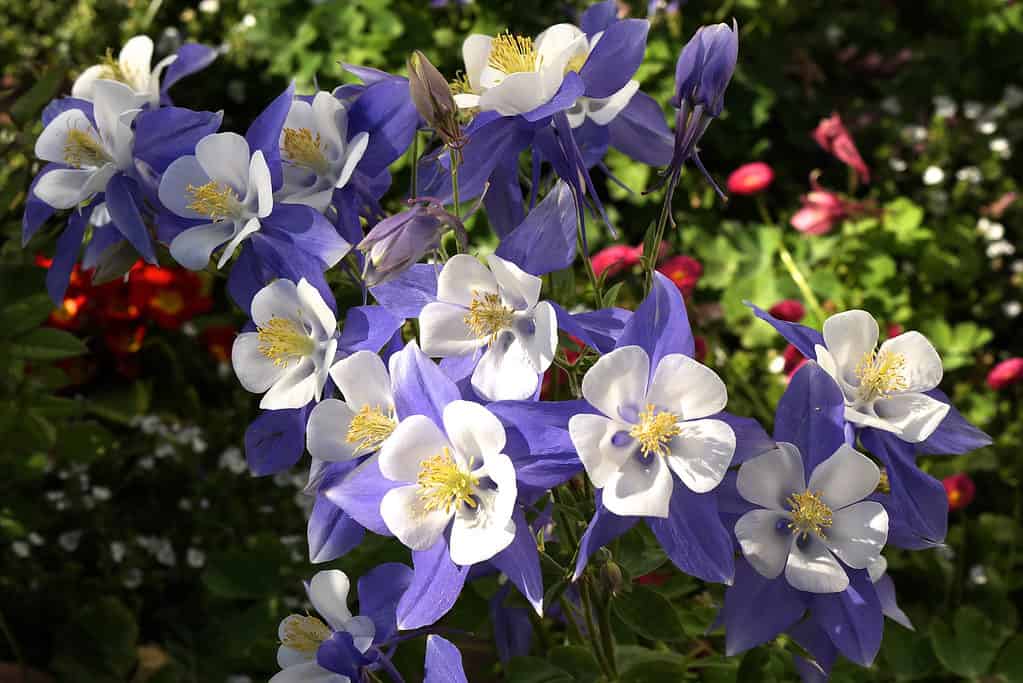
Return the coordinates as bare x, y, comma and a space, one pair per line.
750, 178
317, 154
131, 68
496, 308
289, 354
91, 150
802, 526
651, 426
883, 386
832, 135
457, 478
397, 242
224, 184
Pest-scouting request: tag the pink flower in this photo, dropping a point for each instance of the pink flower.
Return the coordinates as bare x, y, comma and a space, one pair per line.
960, 490
1005, 373
750, 178
789, 310
820, 212
793, 360
616, 258
684, 271
831, 134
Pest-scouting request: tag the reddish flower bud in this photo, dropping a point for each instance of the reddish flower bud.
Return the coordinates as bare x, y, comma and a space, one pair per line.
789, 310
684, 271
614, 259
793, 360
750, 178
960, 490
1005, 373
831, 134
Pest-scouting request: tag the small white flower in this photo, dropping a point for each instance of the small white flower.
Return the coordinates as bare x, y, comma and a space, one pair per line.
1017, 266
318, 156
651, 427
132, 578
1012, 96
944, 107
457, 477
915, 133
131, 68
776, 365
802, 527
101, 493
36, 539
209, 6
21, 549
933, 175
890, 105
69, 540
289, 355
972, 110
1012, 309
987, 127
92, 154
195, 558
898, 165
1000, 146
302, 635
496, 308
883, 386
232, 460
248, 21
117, 551
969, 174
223, 184
1000, 248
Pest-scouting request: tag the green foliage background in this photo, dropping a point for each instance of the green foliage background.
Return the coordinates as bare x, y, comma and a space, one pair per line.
76, 611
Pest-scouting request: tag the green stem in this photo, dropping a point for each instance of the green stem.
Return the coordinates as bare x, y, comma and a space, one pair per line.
414, 192
607, 635
12, 642
650, 260
790, 265
605, 659
453, 155
598, 297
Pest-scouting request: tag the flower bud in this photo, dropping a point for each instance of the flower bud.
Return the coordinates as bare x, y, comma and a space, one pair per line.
750, 178
398, 241
432, 98
1005, 373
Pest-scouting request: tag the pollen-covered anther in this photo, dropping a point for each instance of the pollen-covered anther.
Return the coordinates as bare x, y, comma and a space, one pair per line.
369, 428
881, 373
487, 315
576, 63
810, 514
443, 485
283, 340
511, 54
303, 148
304, 633
213, 199
655, 430
81, 150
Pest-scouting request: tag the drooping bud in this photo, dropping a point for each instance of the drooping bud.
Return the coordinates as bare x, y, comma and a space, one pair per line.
399, 241
433, 99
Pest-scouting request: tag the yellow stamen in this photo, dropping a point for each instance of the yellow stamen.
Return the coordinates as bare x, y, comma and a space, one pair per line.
810, 515
884, 485
369, 428
283, 340
443, 485
487, 315
302, 148
82, 150
461, 85
113, 70
576, 63
304, 633
655, 430
216, 200
881, 374
513, 54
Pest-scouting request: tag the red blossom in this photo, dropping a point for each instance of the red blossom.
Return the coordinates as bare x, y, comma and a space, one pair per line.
750, 178
960, 490
700, 352
616, 258
789, 310
1005, 373
793, 360
218, 340
831, 134
684, 271
169, 296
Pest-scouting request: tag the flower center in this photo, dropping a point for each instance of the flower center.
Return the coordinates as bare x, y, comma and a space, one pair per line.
168, 301
304, 633
461, 85
884, 484
283, 340
130, 76
487, 315
443, 485
82, 150
576, 63
511, 54
880, 374
369, 428
655, 430
809, 514
216, 200
302, 148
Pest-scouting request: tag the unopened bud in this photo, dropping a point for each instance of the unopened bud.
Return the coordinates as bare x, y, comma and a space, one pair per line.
398, 241
612, 579
432, 98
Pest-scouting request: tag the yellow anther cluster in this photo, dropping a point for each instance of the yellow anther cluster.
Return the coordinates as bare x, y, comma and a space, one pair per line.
303, 148
214, 199
369, 428
283, 340
655, 430
487, 315
443, 485
511, 54
81, 150
810, 515
881, 374
304, 633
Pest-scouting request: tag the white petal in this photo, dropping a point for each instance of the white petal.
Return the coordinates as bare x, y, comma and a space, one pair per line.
325, 119
327, 430
844, 478
518, 93
415, 439
300, 115
505, 373
538, 335
687, 388
354, 151
765, 547
225, 157
603, 111
865, 419
602, 444
443, 332
499, 469
618, 381
316, 310
182, 173
328, 591
83, 86
812, 568
922, 370
477, 535
403, 513
849, 336
251, 225
701, 453
769, 479
555, 40
136, 56
474, 431
279, 299
260, 183
296, 388
363, 380
475, 53
308, 672
827, 363
465, 100
519, 290
642, 487
287, 656
363, 630
858, 533
461, 276
193, 247
111, 100
914, 417
877, 567
64, 188
51, 142
255, 372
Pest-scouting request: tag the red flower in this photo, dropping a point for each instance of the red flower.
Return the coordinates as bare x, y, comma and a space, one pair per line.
894, 330
658, 577
789, 310
169, 296
700, 351
124, 339
616, 258
218, 340
684, 271
1005, 373
70, 313
832, 135
821, 210
793, 360
960, 490
750, 178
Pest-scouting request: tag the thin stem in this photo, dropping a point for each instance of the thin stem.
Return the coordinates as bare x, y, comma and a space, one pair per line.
607, 635
453, 155
12, 642
414, 190
650, 260
598, 297
593, 631
790, 264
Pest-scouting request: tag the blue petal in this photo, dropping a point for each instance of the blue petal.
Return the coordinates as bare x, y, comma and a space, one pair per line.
435, 588
405, 295
265, 257
750, 438
757, 609
384, 109
693, 536
614, 60
802, 337
572, 88
660, 326
37, 211
380, 589
593, 141
57, 107
812, 638
275, 440
420, 387
443, 662
309, 231
641, 132
852, 619
537, 439
520, 562
605, 527
600, 330
162, 135
331, 532
954, 436
124, 212
546, 240
512, 628
265, 133
885, 588
192, 57
811, 415
360, 493
598, 17
367, 328
339, 654
65, 255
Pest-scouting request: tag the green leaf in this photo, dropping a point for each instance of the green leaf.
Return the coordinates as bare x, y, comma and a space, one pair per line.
1010, 662
575, 659
98, 644
640, 665
648, 613
21, 316
907, 654
535, 670
242, 574
969, 644
46, 87
47, 343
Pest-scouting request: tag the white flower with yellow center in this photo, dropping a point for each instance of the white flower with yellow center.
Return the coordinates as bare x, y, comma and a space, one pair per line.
289, 354
456, 478
92, 154
802, 527
650, 429
496, 308
222, 184
132, 67
302, 635
883, 386
317, 154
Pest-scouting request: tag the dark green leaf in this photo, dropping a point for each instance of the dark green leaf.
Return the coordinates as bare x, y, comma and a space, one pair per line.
648, 613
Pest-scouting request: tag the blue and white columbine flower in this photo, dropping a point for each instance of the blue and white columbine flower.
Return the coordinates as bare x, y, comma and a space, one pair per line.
223, 184
317, 154
649, 428
803, 526
883, 386
497, 308
289, 354
132, 68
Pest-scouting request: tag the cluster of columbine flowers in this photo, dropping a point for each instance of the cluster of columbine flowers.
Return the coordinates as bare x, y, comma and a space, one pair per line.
458, 459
